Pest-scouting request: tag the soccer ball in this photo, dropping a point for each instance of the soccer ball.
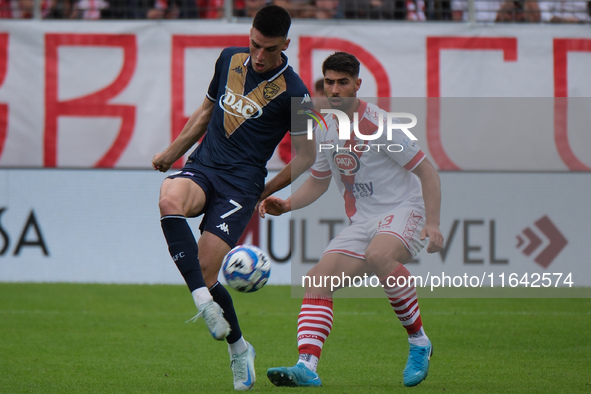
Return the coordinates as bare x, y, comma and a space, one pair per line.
246, 268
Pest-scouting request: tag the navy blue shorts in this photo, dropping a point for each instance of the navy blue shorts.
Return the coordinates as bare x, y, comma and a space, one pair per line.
228, 207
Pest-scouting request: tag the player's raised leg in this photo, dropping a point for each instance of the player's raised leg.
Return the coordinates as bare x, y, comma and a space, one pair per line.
181, 198
315, 320
384, 254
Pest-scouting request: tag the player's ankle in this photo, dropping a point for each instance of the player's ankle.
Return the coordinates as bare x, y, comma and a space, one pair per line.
419, 338
309, 360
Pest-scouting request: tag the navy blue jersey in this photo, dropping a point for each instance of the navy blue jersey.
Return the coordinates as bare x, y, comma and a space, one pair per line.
251, 115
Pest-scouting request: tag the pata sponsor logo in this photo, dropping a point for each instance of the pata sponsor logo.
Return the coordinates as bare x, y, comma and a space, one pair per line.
347, 162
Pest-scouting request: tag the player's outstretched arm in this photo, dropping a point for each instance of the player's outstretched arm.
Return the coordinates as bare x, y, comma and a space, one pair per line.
303, 159
191, 133
431, 185
273, 206
306, 194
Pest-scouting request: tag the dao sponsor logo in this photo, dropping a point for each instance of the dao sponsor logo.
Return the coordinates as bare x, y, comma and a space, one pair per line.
240, 106
392, 122
346, 161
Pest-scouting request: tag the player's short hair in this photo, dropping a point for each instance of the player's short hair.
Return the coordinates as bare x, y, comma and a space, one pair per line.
342, 62
272, 21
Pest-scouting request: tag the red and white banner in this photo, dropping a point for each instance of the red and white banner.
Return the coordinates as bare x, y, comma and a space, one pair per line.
111, 94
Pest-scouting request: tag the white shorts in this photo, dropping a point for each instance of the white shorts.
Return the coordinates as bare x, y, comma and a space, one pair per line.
405, 223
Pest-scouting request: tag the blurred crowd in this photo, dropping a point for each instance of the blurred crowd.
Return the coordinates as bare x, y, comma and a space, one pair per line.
533, 11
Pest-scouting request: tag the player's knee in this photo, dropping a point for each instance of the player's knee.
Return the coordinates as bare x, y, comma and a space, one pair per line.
377, 258
170, 205
374, 256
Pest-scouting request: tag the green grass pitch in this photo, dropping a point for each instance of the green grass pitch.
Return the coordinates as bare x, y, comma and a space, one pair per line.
77, 338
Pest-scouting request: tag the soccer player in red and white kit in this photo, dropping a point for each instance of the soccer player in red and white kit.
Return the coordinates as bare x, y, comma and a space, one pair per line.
392, 198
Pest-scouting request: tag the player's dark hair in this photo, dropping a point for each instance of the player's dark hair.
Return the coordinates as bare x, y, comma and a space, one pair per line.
342, 62
319, 85
272, 21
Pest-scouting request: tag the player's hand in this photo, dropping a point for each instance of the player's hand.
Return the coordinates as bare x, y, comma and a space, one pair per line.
435, 238
273, 206
159, 163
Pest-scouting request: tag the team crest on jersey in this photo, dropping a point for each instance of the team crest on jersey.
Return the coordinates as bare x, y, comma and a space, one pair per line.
270, 90
347, 162
238, 70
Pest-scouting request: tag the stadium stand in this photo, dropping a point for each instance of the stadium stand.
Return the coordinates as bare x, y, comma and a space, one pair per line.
467, 11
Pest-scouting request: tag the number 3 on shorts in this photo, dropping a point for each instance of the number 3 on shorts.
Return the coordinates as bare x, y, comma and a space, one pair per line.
386, 221
231, 211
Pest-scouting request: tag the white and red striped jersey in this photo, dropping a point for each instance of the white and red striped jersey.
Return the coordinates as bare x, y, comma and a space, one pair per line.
373, 176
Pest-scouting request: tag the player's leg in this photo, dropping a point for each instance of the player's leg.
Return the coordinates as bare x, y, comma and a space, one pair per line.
384, 255
393, 245
226, 216
316, 317
212, 250
181, 198
316, 314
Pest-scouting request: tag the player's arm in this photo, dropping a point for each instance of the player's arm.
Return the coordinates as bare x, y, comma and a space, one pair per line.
431, 185
306, 194
305, 154
194, 129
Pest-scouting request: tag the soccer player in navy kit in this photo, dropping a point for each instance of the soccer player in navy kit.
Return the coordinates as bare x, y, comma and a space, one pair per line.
246, 113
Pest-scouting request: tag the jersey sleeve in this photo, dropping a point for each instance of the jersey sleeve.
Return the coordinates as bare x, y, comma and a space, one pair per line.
411, 154
321, 167
301, 108
212, 91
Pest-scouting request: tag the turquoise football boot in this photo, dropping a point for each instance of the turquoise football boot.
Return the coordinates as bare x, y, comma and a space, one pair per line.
417, 365
296, 376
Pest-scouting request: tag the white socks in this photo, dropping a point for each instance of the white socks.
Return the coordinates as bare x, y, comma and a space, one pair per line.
201, 296
419, 338
309, 360
237, 347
